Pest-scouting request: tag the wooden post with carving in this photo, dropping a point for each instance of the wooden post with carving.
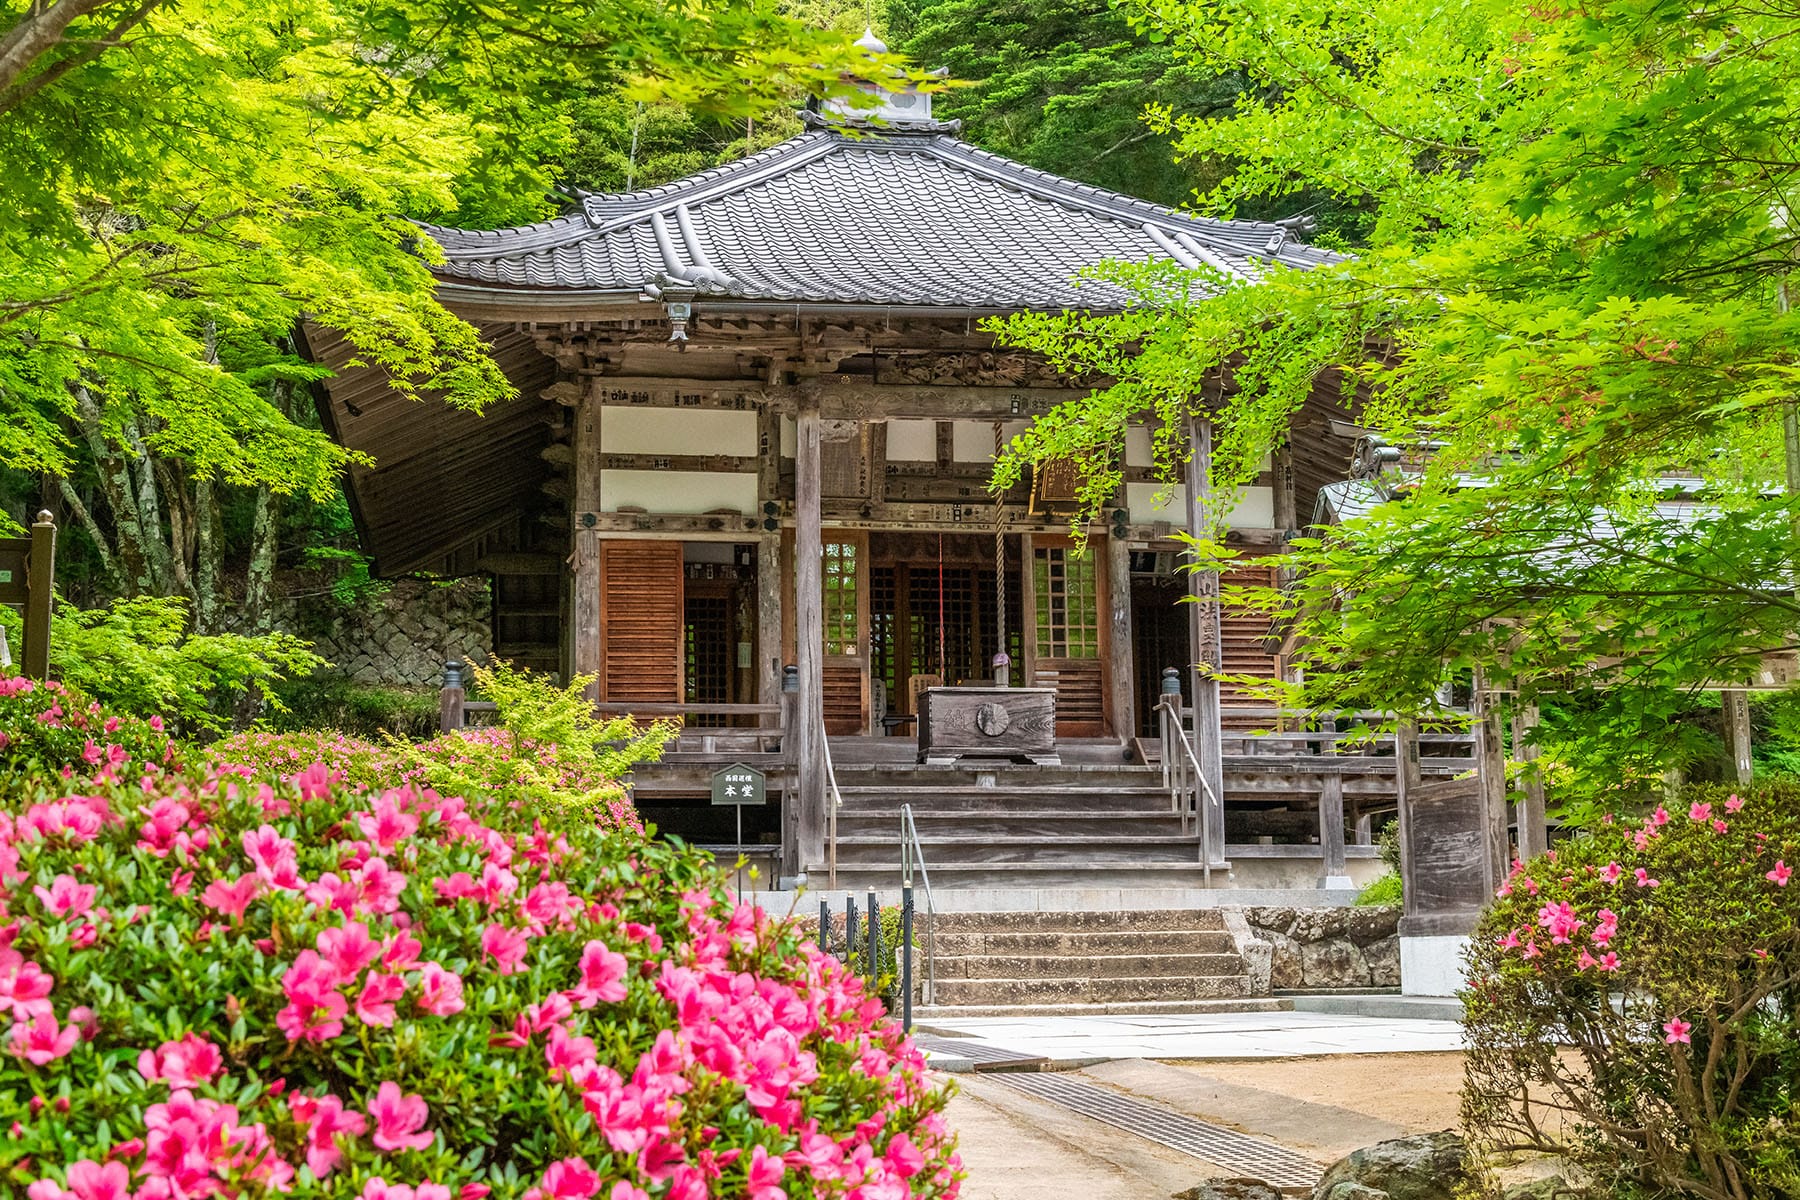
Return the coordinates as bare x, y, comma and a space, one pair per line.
584, 511
809, 639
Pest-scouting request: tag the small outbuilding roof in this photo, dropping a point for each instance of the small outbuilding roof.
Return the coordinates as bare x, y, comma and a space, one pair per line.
902, 213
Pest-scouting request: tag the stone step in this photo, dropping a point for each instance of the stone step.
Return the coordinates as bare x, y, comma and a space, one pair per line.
1090, 990
978, 799
1121, 942
1010, 824
923, 1015
1084, 921
1079, 875
1041, 851
1043, 968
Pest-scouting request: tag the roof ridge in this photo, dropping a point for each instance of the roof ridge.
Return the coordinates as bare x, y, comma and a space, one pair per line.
607, 210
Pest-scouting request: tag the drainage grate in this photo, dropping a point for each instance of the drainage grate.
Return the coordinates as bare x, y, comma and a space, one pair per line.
984, 1056
1274, 1165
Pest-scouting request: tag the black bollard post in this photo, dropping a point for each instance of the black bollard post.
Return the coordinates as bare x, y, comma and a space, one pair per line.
906, 940
825, 926
874, 941
849, 927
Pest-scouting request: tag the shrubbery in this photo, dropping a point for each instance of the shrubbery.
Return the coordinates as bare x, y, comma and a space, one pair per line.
243, 979
1633, 1002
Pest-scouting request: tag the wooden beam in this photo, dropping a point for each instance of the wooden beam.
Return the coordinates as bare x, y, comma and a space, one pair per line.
585, 623
1118, 632
809, 638
707, 464
837, 397
1205, 637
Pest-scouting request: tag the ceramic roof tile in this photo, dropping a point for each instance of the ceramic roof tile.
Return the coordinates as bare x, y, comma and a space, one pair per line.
895, 218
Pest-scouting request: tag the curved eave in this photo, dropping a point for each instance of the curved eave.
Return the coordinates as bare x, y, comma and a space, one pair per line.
478, 303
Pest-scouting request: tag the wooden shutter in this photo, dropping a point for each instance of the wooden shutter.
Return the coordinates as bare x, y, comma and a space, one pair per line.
1241, 651
641, 636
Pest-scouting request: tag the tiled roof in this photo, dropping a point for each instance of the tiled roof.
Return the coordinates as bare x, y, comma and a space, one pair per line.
894, 217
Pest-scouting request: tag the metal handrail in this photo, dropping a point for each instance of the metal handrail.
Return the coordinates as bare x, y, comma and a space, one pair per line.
831, 810
1183, 797
911, 852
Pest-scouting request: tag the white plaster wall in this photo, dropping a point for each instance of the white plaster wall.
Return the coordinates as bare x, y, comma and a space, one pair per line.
1138, 452
1432, 966
973, 441
912, 441
789, 437
676, 431
1255, 508
678, 491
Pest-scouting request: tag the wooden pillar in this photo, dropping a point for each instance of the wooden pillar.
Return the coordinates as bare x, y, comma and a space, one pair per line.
1204, 637
1490, 778
1027, 579
1331, 833
1407, 780
1737, 732
1534, 828
585, 643
770, 595
1365, 829
1287, 517
809, 639
1118, 638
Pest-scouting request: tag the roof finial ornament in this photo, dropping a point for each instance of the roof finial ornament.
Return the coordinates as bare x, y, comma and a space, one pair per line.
869, 44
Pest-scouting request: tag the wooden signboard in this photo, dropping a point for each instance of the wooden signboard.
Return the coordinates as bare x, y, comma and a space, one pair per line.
988, 722
740, 785
27, 576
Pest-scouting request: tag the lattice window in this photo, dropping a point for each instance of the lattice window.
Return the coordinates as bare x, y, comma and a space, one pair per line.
841, 577
884, 649
709, 647
1068, 617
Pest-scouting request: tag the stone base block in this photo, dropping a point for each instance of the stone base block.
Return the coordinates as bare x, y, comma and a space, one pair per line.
1432, 966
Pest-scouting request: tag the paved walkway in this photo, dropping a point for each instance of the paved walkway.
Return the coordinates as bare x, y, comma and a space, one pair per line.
1083, 1040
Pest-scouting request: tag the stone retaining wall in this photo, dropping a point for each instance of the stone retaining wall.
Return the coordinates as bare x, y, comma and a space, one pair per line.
399, 636
1320, 949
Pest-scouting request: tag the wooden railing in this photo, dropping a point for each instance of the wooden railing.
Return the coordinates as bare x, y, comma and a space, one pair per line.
1189, 793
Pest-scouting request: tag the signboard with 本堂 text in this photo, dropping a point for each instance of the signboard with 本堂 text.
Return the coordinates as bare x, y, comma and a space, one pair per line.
740, 785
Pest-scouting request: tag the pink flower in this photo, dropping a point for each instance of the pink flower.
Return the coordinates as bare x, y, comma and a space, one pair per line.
398, 1119
88, 1180
505, 946
66, 898
765, 1175
1609, 961
1719, 826
1611, 871
315, 1011
904, 1158
376, 1004
570, 1179
189, 1062
602, 976
440, 991
388, 825
1677, 1030
348, 949
1644, 880
314, 782
41, 1040
232, 898
1660, 817
1780, 875
275, 858
1733, 804
24, 987
324, 1118
1700, 812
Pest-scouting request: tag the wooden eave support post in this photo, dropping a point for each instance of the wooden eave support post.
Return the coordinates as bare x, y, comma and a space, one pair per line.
1490, 777
809, 640
1331, 833
1204, 637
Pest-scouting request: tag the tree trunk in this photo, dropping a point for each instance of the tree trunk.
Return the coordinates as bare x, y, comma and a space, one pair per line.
259, 577
115, 485
209, 558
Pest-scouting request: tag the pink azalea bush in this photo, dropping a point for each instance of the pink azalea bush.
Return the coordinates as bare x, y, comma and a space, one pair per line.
1633, 1000
232, 980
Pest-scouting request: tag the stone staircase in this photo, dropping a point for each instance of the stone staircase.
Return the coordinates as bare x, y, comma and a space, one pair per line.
1050, 963
1073, 826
